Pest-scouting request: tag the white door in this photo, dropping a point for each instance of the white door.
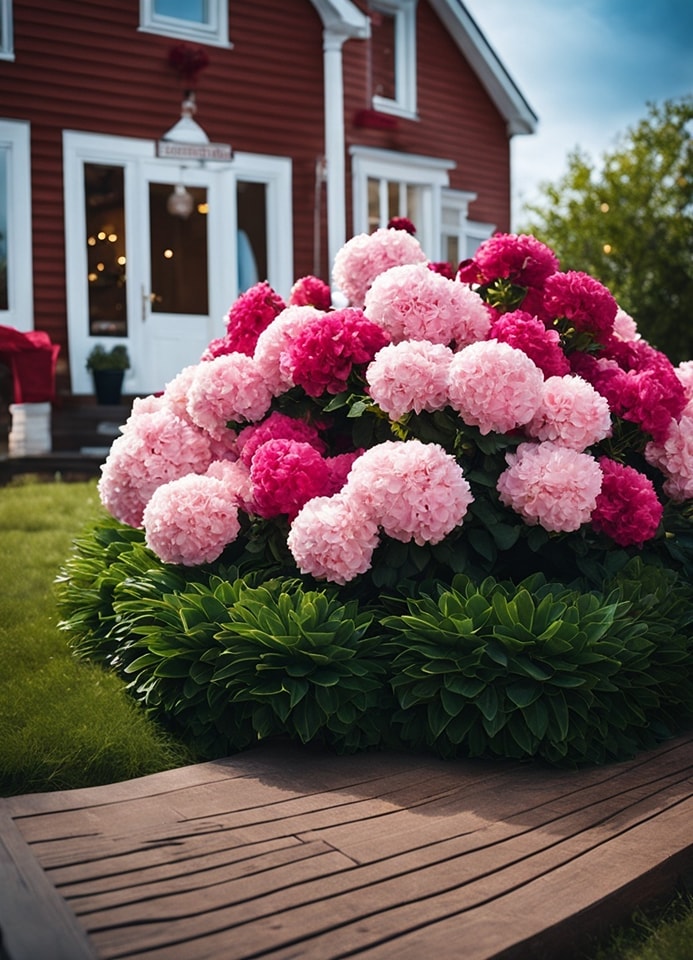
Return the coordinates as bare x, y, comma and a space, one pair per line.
186, 274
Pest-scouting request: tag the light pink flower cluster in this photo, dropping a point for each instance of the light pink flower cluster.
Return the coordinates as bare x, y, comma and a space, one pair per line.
571, 413
527, 333
362, 258
155, 446
412, 302
189, 521
285, 475
311, 292
331, 539
230, 387
625, 328
582, 300
673, 455
410, 375
413, 490
248, 316
321, 356
684, 372
273, 341
235, 476
551, 485
627, 509
494, 387
520, 258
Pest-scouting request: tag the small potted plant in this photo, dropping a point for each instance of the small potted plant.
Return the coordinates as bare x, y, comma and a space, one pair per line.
108, 369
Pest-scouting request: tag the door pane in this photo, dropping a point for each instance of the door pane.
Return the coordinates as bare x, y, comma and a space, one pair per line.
178, 253
106, 276
251, 200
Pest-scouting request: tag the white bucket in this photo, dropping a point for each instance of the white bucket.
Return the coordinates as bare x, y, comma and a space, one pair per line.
30, 433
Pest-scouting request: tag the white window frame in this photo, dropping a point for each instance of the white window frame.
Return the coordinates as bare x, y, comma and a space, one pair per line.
469, 233
15, 138
6, 38
428, 173
404, 13
214, 33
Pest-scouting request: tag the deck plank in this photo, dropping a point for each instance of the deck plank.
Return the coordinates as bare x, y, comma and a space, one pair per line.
285, 851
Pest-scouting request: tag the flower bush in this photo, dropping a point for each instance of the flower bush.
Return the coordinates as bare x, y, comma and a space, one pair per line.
492, 421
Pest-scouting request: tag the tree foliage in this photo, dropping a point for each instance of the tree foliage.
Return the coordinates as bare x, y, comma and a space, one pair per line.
629, 222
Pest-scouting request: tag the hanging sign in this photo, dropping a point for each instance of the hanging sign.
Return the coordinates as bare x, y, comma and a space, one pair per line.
173, 150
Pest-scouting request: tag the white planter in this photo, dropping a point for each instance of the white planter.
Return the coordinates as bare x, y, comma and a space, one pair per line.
30, 433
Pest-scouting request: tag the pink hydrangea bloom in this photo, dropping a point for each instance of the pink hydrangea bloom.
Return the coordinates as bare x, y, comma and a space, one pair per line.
551, 485
571, 413
190, 520
273, 341
684, 372
527, 333
331, 539
582, 300
321, 356
278, 426
228, 388
311, 292
444, 268
154, 447
176, 391
411, 375
338, 468
520, 258
494, 387
251, 313
362, 258
673, 455
413, 302
625, 327
627, 509
413, 490
235, 476
285, 475
607, 377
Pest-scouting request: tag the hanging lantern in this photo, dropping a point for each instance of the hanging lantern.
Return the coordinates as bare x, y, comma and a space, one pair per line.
180, 203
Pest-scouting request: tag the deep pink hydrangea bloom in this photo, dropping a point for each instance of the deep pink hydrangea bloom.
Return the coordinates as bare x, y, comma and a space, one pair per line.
311, 292
673, 455
273, 341
285, 475
494, 387
154, 447
582, 300
571, 413
331, 539
401, 223
412, 302
607, 378
627, 508
550, 485
339, 468
444, 268
520, 258
411, 375
278, 426
248, 316
321, 356
228, 388
527, 333
362, 258
413, 490
190, 520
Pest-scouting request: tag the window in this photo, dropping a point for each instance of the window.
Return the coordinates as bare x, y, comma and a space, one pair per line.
460, 236
204, 21
16, 285
6, 41
104, 193
388, 184
393, 56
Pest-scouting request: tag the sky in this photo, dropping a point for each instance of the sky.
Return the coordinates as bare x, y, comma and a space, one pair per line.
588, 69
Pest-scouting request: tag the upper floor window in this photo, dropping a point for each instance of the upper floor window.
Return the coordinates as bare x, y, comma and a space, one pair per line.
6, 41
204, 21
393, 56
16, 289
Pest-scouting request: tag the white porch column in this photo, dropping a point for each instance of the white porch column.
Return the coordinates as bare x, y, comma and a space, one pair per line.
335, 165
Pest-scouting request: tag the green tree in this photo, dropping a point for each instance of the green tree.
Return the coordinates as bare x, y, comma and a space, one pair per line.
630, 223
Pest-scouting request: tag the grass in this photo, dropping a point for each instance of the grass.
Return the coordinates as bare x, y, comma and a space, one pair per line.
66, 724
63, 723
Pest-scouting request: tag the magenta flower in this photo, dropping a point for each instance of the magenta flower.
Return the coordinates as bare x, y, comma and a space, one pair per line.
527, 333
627, 508
571, 413
413, 490
550, 485
286, 474
413, 302
411, 375
274, 340
331, 539
521, 259
311, 292
494, 387
251, 313
230, 387
190, 520
339, 468
583, 301
277, 426
322, 355
365, 256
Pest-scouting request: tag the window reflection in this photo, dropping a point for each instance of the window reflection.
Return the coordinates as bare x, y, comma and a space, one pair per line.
106, 258
178, 250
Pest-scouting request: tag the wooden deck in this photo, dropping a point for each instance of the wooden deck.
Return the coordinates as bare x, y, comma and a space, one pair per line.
288, 852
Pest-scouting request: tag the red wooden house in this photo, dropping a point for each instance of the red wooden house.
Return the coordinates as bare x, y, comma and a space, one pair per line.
315, 120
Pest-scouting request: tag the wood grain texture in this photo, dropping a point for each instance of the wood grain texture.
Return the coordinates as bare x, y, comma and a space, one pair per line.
285, 851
